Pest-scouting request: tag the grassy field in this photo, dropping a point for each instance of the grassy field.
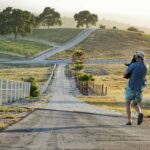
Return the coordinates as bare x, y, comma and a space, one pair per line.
30, 48
117, 105
113, 44
41, 74
56, 35
24, 48
12, 114
112, 76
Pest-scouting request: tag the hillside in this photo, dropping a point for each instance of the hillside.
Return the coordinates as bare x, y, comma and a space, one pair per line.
69, 22
39, 40
107, 43
56, 35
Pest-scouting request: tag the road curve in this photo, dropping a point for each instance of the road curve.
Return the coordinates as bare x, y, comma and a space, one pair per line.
69, 124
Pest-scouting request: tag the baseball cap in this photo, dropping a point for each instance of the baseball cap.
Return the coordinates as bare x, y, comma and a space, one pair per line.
140, 53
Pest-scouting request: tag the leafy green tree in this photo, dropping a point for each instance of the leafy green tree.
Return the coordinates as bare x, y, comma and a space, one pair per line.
5, 21
16, 21
85, 18
22, 22
50, 17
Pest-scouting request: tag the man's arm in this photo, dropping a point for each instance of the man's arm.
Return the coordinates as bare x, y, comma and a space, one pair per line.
128, 72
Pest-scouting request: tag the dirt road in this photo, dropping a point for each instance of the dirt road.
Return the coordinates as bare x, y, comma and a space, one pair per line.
68, 124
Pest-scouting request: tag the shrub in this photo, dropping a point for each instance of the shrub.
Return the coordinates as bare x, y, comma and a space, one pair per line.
78, 55
102, 26
114, 27
34, 91
85, 77
133, 29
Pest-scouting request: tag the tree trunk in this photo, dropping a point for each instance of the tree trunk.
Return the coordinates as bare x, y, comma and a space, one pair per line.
15, 36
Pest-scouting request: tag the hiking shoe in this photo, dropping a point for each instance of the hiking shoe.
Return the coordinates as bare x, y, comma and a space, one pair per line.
129, 123
140, 118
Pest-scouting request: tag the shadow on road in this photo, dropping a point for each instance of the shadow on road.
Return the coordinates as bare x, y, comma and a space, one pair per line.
81, 113
68, 127
63, 128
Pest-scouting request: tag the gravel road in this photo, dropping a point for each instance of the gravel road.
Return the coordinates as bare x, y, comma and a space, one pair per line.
69, 124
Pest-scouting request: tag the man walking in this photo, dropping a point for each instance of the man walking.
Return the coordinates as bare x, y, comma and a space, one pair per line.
136, 84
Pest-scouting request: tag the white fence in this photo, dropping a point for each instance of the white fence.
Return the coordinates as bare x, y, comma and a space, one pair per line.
11, 90
43, 88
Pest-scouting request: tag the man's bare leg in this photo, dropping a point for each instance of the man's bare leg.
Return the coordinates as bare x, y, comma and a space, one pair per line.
128, 110
136, 107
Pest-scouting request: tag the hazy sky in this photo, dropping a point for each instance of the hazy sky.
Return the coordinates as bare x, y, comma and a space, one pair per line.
136, 9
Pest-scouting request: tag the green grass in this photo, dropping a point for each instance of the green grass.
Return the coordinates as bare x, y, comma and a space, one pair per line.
30, 48
56, 35
113, 44
25, 48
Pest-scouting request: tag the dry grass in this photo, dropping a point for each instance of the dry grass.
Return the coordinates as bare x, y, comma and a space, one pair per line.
3, 125
109, 103
112, 76
12, 114
113, 44
41, 74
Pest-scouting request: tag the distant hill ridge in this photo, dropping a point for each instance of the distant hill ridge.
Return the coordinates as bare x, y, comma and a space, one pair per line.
69, 22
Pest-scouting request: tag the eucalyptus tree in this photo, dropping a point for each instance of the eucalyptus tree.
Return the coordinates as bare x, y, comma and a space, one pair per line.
85, 18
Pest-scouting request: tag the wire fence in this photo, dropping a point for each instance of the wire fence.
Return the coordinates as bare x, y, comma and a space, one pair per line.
11, 91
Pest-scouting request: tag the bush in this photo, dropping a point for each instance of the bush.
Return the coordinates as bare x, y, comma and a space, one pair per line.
85, 77
34, 91
114, 27
133, 29
102, 26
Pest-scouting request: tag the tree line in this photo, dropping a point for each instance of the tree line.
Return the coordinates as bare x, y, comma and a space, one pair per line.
19, 22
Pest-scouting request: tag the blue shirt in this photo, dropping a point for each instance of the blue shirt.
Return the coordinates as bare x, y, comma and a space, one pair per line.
138, 73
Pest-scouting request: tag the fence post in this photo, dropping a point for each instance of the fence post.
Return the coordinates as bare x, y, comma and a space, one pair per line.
106, 90
102, 89
6, 98
18, 87
11, 91
1, 91
29, 87
15, 99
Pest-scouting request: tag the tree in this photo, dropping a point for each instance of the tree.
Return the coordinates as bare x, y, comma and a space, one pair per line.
5, 21
78, 55
22, 22
85, 18
16, 21
50, 17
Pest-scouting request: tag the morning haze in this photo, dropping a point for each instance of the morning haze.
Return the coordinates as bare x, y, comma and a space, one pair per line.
129, 12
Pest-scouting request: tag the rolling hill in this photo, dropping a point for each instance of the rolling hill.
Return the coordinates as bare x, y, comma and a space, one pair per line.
108, 43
